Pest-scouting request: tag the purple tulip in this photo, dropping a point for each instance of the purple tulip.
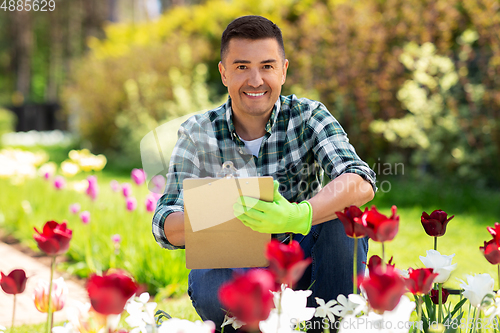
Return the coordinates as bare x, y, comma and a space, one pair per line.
115, 185
138, 176
59, 182
131, 204
93, 188
85, 217
126, 190
74, 208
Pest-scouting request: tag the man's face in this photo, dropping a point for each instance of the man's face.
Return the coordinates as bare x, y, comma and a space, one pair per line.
253, 72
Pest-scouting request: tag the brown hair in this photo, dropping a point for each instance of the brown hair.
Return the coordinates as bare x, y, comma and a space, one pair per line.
251, 27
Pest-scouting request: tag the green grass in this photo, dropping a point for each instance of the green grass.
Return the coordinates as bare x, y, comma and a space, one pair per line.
91, 247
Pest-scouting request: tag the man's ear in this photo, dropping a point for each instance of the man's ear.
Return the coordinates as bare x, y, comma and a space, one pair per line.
222, 72
285, 68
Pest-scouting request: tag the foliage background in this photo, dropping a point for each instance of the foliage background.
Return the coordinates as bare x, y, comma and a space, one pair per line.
345, 53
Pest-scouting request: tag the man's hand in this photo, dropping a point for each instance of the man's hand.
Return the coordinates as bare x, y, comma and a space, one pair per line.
274, 217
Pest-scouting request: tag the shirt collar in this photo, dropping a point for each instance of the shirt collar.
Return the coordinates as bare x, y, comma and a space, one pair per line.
269, 125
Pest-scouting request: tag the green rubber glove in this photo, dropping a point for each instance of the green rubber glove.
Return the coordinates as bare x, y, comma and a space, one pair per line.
275, 217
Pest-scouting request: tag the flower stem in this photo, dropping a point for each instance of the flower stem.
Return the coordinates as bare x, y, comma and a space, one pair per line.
383, 254
440, 290
435, 243
355, 267
13, 314
419, 312
49, 312
498, 271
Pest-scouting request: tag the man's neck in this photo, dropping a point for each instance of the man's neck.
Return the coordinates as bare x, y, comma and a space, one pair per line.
250, 128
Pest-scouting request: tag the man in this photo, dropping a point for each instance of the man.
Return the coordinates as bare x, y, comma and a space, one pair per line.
293, 140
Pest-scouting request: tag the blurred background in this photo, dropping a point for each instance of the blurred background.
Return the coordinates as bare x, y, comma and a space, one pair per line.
411, 81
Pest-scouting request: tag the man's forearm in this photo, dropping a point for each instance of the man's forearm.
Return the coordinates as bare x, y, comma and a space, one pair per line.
174, 228
346, 190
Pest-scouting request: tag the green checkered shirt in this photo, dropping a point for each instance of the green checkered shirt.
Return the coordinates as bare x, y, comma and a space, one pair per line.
302, 142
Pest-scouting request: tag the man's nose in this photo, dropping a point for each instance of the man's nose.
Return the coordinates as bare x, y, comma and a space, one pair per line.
255, 79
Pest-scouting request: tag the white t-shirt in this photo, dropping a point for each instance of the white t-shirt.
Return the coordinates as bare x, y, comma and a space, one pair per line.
254, 145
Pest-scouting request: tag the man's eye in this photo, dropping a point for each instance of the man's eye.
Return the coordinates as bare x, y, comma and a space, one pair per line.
241, 67
268, 67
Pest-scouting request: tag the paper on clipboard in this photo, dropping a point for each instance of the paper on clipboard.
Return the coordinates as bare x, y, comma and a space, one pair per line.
214, 237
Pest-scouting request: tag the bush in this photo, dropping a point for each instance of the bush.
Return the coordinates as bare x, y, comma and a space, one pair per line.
345, 52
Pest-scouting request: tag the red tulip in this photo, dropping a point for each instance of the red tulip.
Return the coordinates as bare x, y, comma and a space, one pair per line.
420, 280
495, 232
286, 262
15, 282
491, 252
55, 238
435, 295
376, 261
109, 293
435, 224
351, 219
381, 228
384, 288
248, 296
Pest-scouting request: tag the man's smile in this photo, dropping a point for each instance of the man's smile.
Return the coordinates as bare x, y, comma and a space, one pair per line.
254, 94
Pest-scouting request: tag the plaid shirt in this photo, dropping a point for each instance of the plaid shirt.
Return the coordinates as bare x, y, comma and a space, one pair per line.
302, 142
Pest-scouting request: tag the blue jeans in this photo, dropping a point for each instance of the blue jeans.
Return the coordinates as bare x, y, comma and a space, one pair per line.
329, 275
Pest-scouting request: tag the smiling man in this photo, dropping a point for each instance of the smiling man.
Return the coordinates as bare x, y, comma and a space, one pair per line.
296, 141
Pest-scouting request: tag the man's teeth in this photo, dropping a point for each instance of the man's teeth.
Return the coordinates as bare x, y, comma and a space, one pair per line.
255, 95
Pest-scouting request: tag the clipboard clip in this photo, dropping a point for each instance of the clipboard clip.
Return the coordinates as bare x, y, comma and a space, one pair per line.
228, 171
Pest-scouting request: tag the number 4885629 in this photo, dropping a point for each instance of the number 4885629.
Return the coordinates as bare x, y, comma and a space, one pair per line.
28, 5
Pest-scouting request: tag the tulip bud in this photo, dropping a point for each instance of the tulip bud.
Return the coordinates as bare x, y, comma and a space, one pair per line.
14, 283
59, 295
126, 190
131, 204
435, 295
435, 224
54, 239
138, 176
74, 208
85, 217
381, 228
59, 182
353, 224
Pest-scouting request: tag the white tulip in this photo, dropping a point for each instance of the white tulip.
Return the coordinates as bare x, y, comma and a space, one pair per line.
441, 264
477, 287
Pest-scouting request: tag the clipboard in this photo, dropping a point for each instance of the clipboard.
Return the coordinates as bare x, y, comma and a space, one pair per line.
214, 237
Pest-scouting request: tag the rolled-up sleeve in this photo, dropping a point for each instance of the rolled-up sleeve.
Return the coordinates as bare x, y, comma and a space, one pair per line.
332, 148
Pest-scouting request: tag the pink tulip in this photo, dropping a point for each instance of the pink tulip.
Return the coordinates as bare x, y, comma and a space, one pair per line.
158, 183
131, 204
126, 190
74, 208
151, 201
138, 176
47, 175
93, 188
85, 217
115, 185
59, 182
59, 295
116, 238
